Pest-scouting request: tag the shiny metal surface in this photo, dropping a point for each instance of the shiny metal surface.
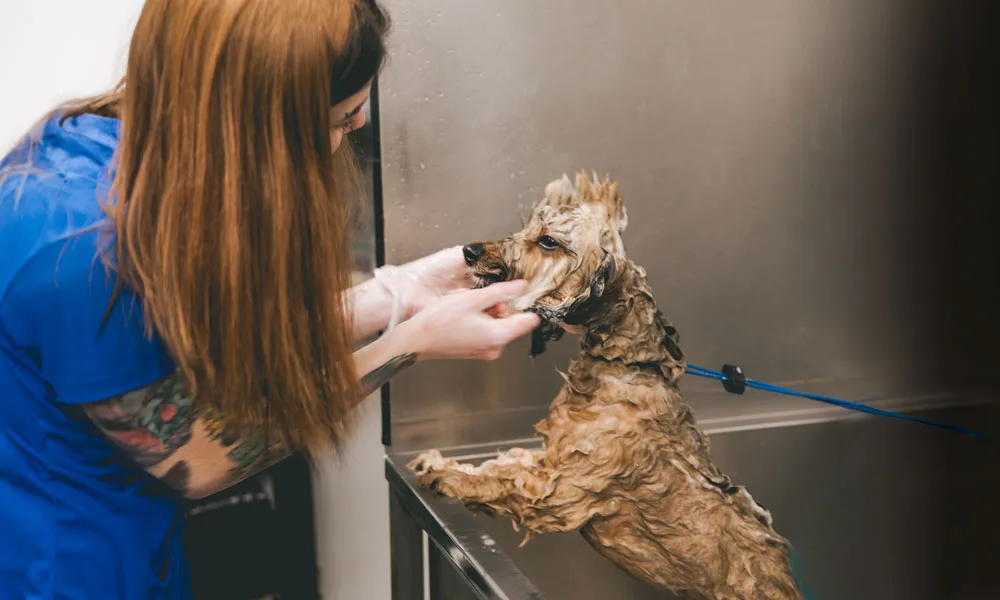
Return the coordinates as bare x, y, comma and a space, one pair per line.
763, 154
873, 510
464, 561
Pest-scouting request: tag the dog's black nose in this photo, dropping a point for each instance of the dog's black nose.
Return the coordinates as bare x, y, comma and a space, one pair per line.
473, 252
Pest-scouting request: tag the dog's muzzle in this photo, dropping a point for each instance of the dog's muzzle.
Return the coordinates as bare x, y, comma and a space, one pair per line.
485, 273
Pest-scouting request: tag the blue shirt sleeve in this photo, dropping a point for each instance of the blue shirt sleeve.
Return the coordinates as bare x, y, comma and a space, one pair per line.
54, 309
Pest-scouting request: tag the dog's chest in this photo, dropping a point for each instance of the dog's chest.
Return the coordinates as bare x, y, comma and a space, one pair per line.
580, 425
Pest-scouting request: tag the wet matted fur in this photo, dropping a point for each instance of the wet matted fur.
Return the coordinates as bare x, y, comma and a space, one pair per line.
623, 460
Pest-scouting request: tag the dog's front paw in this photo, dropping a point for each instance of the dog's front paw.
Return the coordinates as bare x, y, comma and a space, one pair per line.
427, 461
439, 474
441, 482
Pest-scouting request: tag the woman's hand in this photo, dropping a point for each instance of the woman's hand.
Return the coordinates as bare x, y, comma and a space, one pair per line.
396, 293
461, 324
417, 284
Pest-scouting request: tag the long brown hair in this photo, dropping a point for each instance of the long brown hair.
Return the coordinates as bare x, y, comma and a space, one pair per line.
229, 206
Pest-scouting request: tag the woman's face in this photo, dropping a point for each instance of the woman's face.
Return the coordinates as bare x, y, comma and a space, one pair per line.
348, 115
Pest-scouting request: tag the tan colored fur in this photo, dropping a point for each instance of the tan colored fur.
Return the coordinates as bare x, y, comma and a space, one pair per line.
623, 460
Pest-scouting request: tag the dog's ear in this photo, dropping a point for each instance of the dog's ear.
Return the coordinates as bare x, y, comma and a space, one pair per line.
604, 274
674, 368
585, 308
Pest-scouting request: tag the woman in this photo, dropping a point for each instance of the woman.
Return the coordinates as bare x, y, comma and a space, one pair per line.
175, 309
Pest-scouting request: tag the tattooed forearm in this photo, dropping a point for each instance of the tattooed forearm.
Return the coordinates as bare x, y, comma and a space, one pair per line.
248, 453
163, 431
160, 429
374, 380
179, 476
149, 424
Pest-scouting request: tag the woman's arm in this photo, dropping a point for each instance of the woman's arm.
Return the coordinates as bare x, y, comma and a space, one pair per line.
396, 293
190, 449
371, 307
195, 450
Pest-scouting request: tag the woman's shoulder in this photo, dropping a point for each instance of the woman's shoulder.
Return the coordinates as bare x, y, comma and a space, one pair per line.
75, 152
44, 220
50, 200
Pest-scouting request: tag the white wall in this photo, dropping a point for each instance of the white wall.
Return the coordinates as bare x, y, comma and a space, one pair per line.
352, 521
56, 50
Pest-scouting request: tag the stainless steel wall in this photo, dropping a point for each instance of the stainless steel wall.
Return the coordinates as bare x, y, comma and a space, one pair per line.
765, 155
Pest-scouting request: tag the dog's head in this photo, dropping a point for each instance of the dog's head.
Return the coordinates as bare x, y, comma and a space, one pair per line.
570, 251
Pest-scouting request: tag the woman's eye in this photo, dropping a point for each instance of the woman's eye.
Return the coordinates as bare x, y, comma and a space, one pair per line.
547, 243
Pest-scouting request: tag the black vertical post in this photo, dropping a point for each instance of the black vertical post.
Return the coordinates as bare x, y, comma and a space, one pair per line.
406, 552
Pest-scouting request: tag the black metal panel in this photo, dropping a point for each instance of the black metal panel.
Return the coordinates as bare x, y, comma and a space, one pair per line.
406, 551
256, 539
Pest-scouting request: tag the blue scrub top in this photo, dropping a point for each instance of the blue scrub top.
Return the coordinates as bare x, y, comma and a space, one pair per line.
77, 520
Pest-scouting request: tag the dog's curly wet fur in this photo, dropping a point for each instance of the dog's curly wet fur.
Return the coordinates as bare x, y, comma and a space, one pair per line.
623, 460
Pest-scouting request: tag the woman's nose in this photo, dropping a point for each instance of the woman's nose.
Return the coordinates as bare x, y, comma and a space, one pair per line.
473, 252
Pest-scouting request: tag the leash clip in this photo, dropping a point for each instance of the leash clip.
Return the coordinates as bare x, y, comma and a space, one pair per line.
735, 381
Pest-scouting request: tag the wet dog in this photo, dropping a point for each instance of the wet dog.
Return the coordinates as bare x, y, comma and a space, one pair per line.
624, 461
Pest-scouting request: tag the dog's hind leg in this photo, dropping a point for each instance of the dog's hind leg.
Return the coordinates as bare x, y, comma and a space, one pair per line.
516, 483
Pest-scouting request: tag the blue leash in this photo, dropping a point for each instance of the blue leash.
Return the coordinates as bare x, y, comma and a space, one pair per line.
736, 382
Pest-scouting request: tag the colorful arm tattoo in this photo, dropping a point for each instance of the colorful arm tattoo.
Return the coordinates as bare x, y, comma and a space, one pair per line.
151, 424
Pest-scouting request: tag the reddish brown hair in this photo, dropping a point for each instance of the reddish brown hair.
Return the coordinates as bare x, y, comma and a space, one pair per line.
229, 209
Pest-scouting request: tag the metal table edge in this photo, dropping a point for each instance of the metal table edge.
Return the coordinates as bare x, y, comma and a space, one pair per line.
453, 529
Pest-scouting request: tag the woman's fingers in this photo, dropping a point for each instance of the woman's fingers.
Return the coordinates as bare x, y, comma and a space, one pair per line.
471, 323
498, 293
515, 326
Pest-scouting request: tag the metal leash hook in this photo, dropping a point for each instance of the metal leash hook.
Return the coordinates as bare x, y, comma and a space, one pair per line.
735, 381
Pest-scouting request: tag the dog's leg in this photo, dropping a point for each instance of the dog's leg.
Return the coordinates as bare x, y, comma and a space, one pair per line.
516, 471
516, 483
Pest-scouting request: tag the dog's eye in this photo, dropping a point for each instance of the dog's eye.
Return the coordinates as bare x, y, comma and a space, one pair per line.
547, 243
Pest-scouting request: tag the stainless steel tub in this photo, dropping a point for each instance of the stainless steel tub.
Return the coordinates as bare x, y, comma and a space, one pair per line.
875, 509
